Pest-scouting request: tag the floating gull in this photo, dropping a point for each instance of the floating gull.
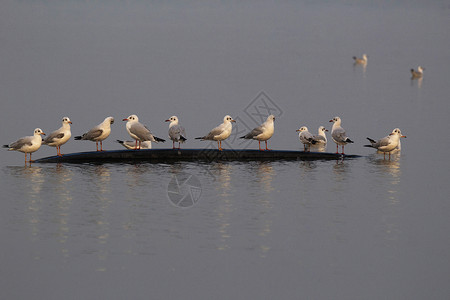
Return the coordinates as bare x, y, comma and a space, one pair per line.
388, 143
28, 144
131, 144
99, 133
139, 132
177, 132
321, 137
338, 134
219, 133
417, 74
60, 136
262, 133
306, 138
360, 61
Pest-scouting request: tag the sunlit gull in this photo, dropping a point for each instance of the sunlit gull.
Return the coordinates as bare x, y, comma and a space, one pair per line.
262, 133
177, 132
27, 144
131, 144
59, 137
306, 138
338, 134
321, 137
360, 61
219, 133
388, 143
416, 74
99, 133
139, 132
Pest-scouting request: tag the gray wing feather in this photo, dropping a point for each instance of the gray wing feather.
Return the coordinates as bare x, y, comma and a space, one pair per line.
142, 132
51, 138
92, 134
254, 133
21, 142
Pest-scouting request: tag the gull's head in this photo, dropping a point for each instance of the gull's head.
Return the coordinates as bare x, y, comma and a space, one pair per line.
131, 118
398, 132
66, 120
172, 119
271, 118
336, 120
302, 129
420, 69
364, 56
109, 120
228, 119
322, 129
38, 131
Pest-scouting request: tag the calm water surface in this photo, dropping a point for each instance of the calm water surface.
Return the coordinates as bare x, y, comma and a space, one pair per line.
365, 228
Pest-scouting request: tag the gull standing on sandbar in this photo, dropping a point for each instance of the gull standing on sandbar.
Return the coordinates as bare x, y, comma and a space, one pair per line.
321, 137
139, 132
338, 134
262, 133
177, 132
220, 133
99, 133
27, 144
306, 138
388, 143
59, 137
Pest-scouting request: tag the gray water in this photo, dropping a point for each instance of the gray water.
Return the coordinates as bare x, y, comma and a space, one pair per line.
365, 228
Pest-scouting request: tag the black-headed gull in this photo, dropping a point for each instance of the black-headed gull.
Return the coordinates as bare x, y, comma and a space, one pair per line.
99, 133
220, 133
131, 144
139, 132
416, 74
306, 138
338, 134
388, 143
27, 144
262, 133
360, 60
321, 137
59, 137
177, 133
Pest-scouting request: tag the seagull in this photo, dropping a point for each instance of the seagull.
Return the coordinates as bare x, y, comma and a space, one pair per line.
388, 143
99, 133
306, 138
176, 131
131, 144
321, 137
59, 137
27, 144
417, 74
262, 133
360, 61
219, 133
338, 134
139, 132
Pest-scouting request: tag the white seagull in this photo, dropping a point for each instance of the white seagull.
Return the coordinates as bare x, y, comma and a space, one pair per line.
131, 144
139, 132
338, 134
177, 132
388, 143
262, 133
99, 133
321, 137
219, 133
360, 61
306, 138
27, 144
417, 74
59, 137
